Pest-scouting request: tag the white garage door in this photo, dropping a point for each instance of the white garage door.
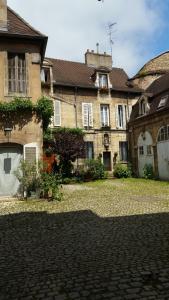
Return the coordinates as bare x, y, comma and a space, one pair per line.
10, 157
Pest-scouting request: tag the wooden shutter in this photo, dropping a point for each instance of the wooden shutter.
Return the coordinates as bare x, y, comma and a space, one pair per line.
57, 113
124, 111
90, 114
129, 110
30, 154
117, 116
85, 114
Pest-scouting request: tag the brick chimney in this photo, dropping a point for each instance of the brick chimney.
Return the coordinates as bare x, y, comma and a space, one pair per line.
3, 15
98, 60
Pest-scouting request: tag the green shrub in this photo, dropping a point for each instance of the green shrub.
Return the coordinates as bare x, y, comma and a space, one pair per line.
95, 169
122, 171
148, 172
27, 175
50, 186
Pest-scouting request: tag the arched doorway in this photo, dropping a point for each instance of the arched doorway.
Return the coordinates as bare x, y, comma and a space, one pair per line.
10, 156
145, 151
163, 152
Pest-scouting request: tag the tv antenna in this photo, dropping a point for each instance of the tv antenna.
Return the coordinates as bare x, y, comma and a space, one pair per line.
110, 36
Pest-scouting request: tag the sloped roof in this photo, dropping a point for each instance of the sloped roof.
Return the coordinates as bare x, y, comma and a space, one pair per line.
158, 89
79, 74
18, 26
159, 85
157, 65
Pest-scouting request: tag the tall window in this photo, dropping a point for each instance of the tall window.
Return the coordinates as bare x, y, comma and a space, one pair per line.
57, 113
143, 107
104, 110
87, 112
123, 149
89, 150
121, 116
16, 73
103, 81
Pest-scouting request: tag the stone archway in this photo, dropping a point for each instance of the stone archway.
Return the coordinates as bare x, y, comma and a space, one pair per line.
10, 156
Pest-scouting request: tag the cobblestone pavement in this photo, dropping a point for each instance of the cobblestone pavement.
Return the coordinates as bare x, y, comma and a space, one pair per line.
79, 255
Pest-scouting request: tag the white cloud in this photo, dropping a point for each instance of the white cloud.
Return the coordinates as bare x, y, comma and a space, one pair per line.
76, 25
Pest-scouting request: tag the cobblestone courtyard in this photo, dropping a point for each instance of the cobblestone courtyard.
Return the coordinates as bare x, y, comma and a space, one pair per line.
103, 241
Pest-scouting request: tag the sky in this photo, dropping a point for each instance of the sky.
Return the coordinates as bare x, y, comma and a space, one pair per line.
73, 26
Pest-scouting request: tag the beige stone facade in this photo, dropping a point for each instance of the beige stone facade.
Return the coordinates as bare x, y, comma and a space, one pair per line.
71, 100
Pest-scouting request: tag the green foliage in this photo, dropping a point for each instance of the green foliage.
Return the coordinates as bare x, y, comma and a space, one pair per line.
50, 186
122, 171
45, 108
148, 172
18, 104
27, 175
95, 169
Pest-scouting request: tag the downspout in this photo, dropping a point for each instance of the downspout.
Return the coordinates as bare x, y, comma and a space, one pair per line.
75, 105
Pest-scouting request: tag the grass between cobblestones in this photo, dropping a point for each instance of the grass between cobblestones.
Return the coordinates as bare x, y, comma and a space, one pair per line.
116, 197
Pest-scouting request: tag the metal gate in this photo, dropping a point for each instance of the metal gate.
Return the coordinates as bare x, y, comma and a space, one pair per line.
10, 156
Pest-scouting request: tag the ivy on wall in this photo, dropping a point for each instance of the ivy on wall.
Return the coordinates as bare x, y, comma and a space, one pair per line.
43, 108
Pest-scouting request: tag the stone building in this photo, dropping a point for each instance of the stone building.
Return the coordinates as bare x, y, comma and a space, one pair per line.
22, 50
149, 123
95, 97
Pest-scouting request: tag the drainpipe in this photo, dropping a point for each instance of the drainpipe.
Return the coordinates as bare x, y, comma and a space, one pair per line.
75, 105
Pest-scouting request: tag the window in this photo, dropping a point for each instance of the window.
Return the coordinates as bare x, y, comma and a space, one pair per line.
104, 110
89, 150
45, 75
121, 116
87, 112
163, 134
142, 107
141, 150
16, 73
149, 150
163, 101
57, 113
103, 81
123, 149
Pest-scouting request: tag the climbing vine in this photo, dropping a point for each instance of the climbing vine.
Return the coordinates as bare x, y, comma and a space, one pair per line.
43, 108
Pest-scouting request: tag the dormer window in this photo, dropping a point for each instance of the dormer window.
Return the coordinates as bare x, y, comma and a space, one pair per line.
45, 75
163, 101
143, 106
103, 81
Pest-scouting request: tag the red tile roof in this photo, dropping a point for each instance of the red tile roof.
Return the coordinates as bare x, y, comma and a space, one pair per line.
79, 74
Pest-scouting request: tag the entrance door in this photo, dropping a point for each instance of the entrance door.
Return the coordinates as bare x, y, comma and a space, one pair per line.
107, 160
10, 157
163, 160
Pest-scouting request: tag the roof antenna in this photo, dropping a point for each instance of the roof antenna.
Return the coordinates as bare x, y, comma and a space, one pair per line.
97, 45
110, 36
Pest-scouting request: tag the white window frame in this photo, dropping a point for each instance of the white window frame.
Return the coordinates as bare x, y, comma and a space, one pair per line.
121, 116
105, 115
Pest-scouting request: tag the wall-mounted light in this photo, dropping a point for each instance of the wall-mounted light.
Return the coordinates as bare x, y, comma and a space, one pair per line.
7, 131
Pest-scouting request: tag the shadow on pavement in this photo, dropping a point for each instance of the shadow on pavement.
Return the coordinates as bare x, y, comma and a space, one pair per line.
79, 255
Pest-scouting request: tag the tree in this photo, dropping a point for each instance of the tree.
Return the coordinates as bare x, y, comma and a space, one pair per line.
69, 145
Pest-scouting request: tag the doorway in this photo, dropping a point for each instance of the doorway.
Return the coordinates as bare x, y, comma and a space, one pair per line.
10, 156
107, 160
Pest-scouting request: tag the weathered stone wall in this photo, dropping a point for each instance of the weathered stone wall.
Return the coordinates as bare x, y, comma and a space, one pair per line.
25, 129
152, 124
71, 110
